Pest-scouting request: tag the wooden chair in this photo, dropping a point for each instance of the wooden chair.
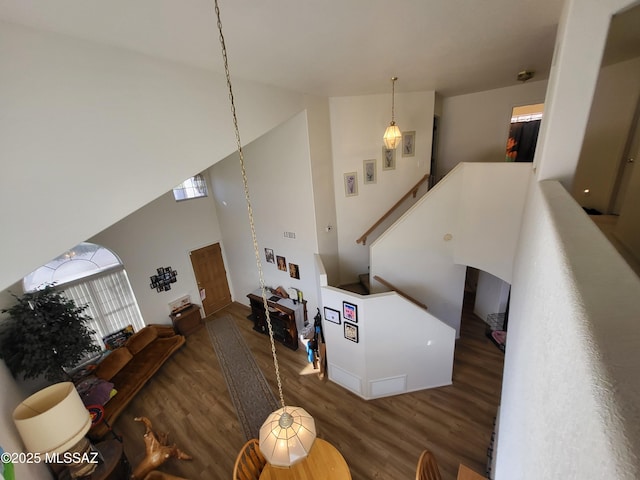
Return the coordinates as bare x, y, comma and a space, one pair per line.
250, 462
427, 467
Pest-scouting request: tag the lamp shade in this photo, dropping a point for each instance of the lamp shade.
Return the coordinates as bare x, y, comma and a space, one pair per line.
287, 435
392, 136
52, 420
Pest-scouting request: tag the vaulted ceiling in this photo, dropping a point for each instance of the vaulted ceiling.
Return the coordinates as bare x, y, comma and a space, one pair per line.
328, 48
332, 47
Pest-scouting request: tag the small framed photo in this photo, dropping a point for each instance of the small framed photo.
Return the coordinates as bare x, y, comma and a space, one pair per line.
388, 158
350, 312
369, 170
351, 184
331, 315
268, 253
408, 144
282, 263
351, 332
294, 271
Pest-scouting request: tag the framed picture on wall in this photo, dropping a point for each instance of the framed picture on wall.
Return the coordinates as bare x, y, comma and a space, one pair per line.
351, 184
331, 315
408, 144
294, 271
351, 332
369, 170
350, 312
268, 253
388, 158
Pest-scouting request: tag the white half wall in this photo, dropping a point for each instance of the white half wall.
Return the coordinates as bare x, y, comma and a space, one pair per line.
472, 217
400, 348
570, 386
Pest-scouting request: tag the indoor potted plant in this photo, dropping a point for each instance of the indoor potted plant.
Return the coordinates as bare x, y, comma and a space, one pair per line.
45, 334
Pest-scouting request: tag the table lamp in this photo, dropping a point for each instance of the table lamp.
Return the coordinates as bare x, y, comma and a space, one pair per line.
54, 421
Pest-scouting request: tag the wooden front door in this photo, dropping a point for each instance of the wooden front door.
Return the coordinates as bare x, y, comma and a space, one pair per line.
211, 277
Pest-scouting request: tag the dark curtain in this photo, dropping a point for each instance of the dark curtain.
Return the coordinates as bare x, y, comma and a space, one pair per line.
526, 137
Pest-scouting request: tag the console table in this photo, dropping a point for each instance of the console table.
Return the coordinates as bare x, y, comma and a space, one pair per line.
113, 465
287, 317
187, 321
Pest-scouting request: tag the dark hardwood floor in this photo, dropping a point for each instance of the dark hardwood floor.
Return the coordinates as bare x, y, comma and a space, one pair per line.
380, 439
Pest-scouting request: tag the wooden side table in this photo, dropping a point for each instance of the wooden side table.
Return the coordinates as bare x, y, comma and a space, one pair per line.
113, 465
187, 321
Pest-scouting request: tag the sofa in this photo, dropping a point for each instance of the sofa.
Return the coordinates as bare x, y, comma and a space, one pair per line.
124, 371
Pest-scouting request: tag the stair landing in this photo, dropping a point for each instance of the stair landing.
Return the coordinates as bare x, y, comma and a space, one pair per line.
361, 287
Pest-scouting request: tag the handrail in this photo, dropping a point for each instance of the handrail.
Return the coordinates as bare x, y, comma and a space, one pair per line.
413, 190
399, 292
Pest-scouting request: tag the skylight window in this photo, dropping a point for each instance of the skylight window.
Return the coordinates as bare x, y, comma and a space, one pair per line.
194, 187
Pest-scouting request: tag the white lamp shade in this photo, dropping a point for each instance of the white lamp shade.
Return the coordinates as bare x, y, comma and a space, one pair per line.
53, 419
282, 444
392, 136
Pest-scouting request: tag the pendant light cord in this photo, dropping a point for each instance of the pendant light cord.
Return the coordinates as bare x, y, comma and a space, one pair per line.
393, 97
249, 207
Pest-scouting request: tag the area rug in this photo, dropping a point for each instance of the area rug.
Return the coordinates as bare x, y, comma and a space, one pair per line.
250, 393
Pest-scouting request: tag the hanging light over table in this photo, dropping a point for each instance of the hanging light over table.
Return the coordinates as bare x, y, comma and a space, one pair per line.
392, 134
287, 435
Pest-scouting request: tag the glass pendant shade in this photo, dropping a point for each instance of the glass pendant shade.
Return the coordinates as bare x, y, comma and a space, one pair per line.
392, 136
287, 435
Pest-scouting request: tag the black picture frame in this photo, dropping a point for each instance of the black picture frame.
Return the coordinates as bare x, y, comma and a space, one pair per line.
331, 315
351, 332
350, 312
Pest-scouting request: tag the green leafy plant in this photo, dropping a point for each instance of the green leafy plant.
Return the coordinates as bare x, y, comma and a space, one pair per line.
45, 334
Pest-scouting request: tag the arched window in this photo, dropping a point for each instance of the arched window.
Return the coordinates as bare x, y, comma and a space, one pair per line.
93, 275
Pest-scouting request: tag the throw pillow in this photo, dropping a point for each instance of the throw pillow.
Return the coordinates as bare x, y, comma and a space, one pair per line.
114, 362
141, 339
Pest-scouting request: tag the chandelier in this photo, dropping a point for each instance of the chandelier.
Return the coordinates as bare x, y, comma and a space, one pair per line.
392, 134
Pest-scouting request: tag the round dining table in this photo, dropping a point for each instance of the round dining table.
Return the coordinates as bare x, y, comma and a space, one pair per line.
324, 462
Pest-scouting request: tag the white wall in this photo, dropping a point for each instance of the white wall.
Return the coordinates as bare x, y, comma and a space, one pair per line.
628, 226
322, 184
9, 438
99, 131
401, 348
570, 397
580, 42
492, 295
161, 234
491, 204
279, 175
357, 126
475, 127
570, 387
479, 205
610, 121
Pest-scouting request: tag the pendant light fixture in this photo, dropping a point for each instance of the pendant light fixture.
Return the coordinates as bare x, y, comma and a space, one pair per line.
288, 434
392, 134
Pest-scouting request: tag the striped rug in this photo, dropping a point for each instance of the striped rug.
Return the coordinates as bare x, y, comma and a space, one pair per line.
250, 393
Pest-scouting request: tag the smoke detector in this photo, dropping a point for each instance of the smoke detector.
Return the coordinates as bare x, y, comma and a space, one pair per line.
525, 75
